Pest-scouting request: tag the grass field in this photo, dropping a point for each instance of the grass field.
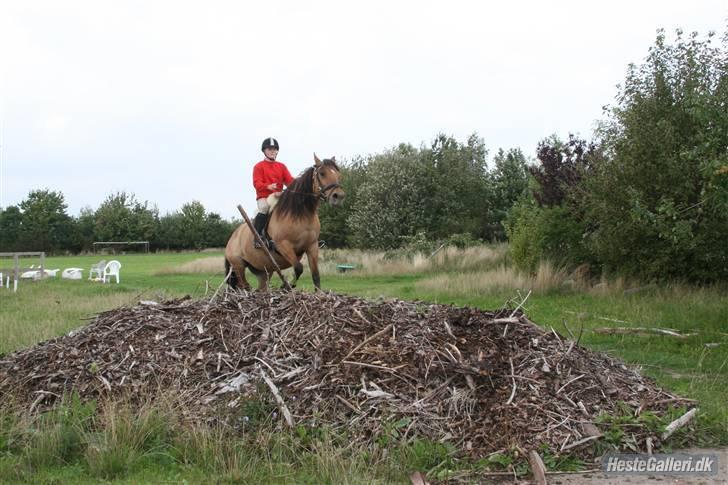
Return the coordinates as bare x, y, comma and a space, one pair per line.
694, 367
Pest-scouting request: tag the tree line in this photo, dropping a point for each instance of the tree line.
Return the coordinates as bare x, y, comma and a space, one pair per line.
41, 223
647, 196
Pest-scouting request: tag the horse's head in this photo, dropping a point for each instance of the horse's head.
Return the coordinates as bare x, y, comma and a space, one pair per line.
327, 180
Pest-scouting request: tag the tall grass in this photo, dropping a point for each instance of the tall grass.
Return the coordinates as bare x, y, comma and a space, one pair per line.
547, 278
378, 263
118, 441
375, 263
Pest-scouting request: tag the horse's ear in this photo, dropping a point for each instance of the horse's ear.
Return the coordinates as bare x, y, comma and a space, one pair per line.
316, 160
333, 159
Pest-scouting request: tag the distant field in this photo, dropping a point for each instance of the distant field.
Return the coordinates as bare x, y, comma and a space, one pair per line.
694, 367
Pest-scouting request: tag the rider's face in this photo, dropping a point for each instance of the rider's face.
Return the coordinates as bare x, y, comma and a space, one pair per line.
270, 153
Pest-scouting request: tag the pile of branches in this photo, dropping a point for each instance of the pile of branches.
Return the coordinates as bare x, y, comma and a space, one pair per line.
483, 381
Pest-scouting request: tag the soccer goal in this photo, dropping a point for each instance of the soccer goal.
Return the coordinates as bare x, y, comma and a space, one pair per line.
114, 247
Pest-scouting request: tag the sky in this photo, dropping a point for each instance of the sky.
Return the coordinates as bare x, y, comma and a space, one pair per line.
170, 101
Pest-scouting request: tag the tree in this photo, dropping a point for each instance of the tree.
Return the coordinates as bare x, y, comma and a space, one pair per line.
169, 233
457, 197
549, 223
217, 230
192, 222
122, 218
659, 203
84, 229
508, 182
45, 225
389, 203
11, 219
335, 230
561, 168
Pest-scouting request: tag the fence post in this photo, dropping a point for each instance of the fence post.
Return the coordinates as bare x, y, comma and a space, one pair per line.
16, 269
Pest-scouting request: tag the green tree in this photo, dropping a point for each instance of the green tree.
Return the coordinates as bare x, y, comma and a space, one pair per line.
334, 228
457, 197
218, 230
508, 182
659, 203
11, 219
169, 234
193, 224
83, 234
389, 203
45, 225
122, 218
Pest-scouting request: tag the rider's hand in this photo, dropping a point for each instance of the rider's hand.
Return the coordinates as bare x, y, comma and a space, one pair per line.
272, 186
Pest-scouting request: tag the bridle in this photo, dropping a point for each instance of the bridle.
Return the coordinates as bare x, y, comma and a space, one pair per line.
321, 192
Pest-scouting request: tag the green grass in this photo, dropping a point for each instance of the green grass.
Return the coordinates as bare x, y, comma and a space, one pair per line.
49, 308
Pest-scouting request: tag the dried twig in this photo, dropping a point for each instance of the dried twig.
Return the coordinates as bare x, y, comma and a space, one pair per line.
277, 395
513, 392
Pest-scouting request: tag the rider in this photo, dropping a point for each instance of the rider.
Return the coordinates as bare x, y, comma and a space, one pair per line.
269, 177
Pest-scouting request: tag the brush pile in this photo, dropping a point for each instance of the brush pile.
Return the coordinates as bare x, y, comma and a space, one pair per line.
483, 381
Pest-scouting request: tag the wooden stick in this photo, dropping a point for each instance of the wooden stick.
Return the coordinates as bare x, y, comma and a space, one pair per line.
264, 247
679, 423
521, 304
581, 442
513, 392
417, 478
367, 340
641, 330
537, 468
277, 395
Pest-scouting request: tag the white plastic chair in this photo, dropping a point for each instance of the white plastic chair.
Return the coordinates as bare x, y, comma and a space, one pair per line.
97, 269
112, 269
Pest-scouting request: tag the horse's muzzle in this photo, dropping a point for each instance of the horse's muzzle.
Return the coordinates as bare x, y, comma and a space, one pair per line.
337, 198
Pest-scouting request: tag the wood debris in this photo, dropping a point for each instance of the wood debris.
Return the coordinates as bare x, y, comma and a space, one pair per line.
453, 374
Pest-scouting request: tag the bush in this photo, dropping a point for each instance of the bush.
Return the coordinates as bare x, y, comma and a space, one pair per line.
659, 204
544, 233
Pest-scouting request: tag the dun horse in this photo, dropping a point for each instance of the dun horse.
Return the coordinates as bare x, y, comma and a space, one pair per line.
293, 226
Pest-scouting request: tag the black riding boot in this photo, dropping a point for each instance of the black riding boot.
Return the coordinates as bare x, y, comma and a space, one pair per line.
259, 225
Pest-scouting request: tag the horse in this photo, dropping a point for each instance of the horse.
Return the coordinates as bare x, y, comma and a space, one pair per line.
293, 226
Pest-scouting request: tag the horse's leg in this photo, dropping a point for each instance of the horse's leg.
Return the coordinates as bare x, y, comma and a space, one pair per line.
263, 278
285, 249
312, 254
237, 277
241, 275
232, 279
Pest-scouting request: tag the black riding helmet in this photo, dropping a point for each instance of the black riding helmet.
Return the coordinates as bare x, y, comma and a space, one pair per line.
270, 143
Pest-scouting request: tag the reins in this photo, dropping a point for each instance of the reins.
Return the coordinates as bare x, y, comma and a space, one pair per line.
321, 194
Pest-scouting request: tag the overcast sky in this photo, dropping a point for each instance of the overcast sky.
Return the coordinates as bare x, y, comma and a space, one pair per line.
171, 100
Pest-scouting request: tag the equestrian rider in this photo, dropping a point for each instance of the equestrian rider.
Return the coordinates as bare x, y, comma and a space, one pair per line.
269, 177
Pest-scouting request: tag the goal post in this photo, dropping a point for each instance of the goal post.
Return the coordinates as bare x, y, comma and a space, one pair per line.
141, 246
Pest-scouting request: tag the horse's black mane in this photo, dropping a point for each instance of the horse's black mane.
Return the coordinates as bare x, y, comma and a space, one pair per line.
298, 200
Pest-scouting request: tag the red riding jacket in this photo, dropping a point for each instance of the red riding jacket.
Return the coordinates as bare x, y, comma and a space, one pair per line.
265, 173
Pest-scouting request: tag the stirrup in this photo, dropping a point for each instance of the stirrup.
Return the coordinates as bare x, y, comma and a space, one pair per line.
257, 245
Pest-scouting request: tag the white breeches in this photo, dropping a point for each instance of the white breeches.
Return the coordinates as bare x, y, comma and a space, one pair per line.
267, 204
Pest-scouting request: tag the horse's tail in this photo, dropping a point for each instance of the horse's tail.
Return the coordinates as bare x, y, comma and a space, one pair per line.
232, 279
